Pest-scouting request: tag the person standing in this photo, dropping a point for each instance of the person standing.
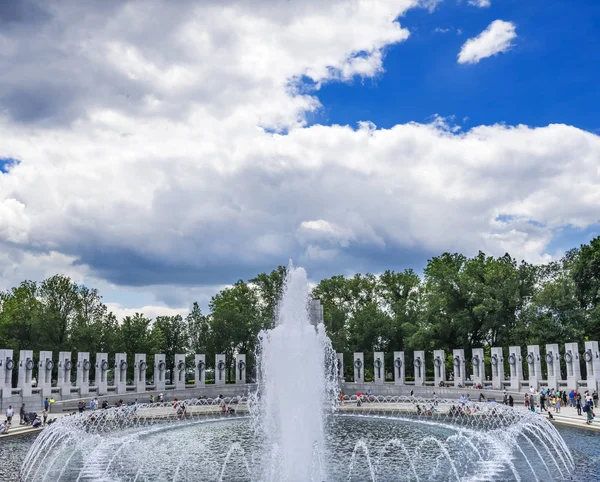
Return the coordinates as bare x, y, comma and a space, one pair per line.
22, 415
595, 398
9, 414
47, 403
578, 403
44, 415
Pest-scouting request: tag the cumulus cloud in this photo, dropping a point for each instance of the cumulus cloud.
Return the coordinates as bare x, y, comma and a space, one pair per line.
176, 157
496, 38
480, 3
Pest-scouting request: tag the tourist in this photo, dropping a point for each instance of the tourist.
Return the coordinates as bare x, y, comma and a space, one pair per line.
543, 401
104, 404
481, 397
578, 403
527, 400
22, 415
46, 404
44, 415
81, 406
4, 427
36, 422
557, 405
572, 398
9, 414
511, 401
595, 398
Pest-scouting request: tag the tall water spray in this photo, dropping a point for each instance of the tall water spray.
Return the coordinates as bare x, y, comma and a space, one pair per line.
297, 385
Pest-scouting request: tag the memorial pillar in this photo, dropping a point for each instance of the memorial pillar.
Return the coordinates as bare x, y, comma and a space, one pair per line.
25, 382
179, 373
534, 366
101, 379
220, 369
340, 366
45, 367
516, 367
121, 372
497, 361
399, 372
378, 368
240, 368
359, 368
139, 372
478, 366
439, 367
83, 373
572, 365
419, 366
160, 372
64, 373
7, 365
553, 366
459, 364
592, 364
200, 369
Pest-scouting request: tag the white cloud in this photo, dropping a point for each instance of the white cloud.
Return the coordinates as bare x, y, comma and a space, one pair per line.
495, 39
480, 3
441, 30
149, 311
157, 171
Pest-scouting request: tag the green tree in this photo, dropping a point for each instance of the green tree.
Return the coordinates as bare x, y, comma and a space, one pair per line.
170, 333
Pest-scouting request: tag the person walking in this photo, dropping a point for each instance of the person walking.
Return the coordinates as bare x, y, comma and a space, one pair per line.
578, 404
595, 398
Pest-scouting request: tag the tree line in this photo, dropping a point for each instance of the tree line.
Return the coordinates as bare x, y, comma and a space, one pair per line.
458, 302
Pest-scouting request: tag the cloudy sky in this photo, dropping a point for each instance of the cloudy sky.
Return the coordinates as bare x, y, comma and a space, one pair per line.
160, 150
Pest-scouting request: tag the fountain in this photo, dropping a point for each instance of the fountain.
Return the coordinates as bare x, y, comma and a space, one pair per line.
295, 428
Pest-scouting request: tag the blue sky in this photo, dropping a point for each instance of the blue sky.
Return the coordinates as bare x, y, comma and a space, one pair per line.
549, 76
160, 164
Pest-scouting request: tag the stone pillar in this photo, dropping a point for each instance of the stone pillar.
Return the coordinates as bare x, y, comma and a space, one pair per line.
65, 365
516, 367
200, 369
7, 365
240, 368
553, 365
458, 362
139, 372
179, 373
419, 365
399, 370
359, 367
534, 366
340, 366
220, 373
378, 368
83, 373
25, 382
478, 365
121, 372
439, 367
45, 367
592, 364
572, 363
497, 362
101, 367
160, 372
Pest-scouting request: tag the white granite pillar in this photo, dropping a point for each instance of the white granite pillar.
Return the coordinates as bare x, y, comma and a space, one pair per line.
200, 369
592, 364
378, 368
399, 371
102, 368
121, 372
419, 366
160, 372
220, 366
572, 363
45, 367
139, 372
459, 364
7, 365
179, 373
64, 373
439, 367
516, 367
534, 366
240, 368
478, 365
359, 367
497, 361
83, 373
340, 366
553, 365
25, 381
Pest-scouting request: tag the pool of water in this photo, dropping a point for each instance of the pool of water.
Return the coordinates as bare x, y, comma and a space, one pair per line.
357, 449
